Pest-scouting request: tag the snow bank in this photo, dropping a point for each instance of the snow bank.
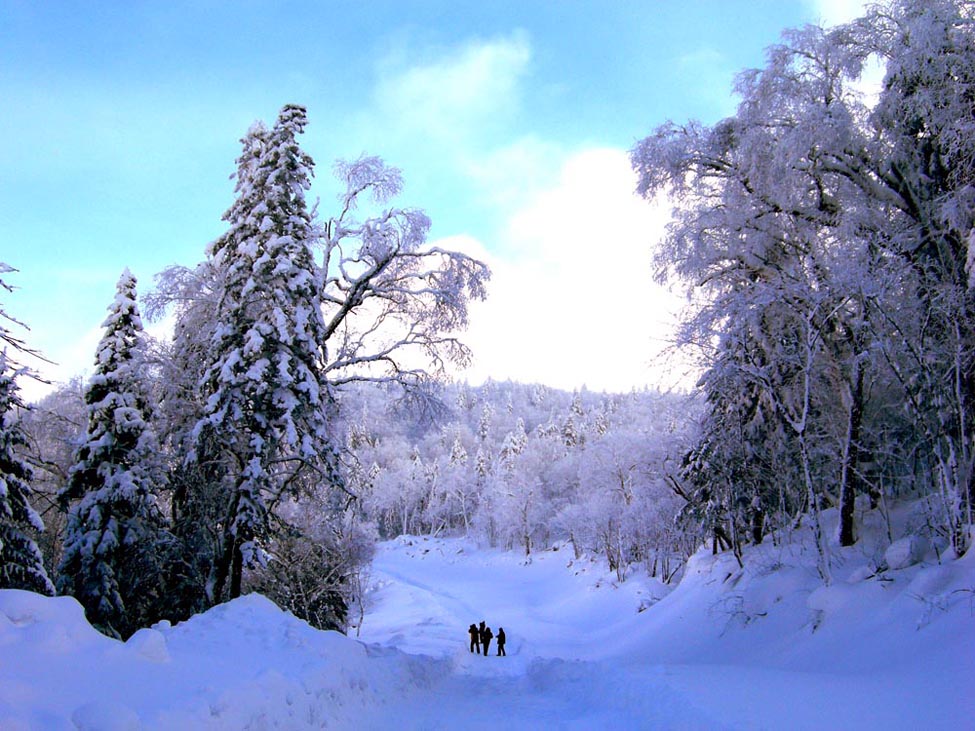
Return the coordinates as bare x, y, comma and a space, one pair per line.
245, 664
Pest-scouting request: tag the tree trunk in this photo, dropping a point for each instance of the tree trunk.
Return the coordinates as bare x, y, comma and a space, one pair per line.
237, 571
231, 548
822, 549
221, 568
575, 546
758, 525
849, 479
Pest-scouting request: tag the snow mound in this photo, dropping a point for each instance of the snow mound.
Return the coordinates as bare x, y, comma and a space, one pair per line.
150, 644
907, 551
244, 664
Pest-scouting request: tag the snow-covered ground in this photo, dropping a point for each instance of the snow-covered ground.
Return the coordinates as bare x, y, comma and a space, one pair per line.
765, 647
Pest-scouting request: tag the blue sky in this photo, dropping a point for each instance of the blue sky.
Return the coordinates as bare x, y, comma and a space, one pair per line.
119, 127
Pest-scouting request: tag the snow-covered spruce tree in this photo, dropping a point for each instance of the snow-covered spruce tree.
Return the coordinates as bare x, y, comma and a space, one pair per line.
21, 565
115, 530
392, 307
266, 403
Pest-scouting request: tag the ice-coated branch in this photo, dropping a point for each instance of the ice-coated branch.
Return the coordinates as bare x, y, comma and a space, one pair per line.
7, 336
391, 299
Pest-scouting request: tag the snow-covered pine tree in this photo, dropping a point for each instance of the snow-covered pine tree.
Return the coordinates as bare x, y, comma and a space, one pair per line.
115, 527
266, 400
514, 444
21, 566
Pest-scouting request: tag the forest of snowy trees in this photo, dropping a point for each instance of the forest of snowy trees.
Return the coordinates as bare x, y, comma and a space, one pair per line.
828, 238
300, 411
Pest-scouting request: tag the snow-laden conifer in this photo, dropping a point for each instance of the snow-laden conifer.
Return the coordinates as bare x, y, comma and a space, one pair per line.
21, 566
266, 401
113, 523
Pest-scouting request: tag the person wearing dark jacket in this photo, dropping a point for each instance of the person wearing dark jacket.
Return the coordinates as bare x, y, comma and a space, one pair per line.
475, 638
486, 635
501, 640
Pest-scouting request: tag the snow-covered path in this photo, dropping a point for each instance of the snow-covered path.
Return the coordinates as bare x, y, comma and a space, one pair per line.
581, 655
430, 591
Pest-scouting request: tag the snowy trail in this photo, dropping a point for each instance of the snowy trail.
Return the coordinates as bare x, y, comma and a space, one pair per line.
552, 694
430, 591
568, 621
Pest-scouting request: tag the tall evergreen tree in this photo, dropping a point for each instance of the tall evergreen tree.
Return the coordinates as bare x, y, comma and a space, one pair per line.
114, 529
266, 399
21, 566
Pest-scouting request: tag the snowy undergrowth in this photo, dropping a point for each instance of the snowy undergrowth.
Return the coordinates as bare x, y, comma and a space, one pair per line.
764, 646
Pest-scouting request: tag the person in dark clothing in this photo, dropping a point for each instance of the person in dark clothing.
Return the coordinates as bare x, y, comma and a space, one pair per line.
475, 638
486, 635
501, 640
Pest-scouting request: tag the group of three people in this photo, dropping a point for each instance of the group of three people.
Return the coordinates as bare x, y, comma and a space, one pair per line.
481, 639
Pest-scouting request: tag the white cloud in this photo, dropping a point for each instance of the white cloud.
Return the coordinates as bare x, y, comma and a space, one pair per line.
452, 96
510, 174
572, 301
836, 12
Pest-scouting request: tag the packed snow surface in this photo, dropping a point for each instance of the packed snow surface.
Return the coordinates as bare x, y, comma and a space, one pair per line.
764, 647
